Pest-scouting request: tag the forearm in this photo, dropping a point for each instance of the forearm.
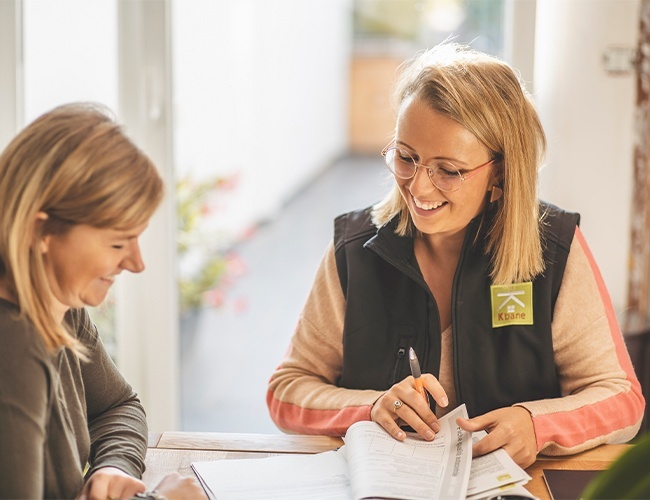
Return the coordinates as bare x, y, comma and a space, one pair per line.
119, 438
116, 420
305, 403
582, 421
602, 401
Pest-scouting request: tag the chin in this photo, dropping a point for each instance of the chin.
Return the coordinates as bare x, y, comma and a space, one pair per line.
426, 228
92, 301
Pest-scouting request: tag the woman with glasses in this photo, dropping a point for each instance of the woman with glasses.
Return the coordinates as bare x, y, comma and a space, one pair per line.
494, 290
76, 195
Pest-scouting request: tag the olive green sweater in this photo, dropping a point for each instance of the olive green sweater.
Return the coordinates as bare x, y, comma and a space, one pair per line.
58, 413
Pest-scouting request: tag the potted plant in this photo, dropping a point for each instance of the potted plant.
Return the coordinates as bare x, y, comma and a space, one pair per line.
628, 477
207, 263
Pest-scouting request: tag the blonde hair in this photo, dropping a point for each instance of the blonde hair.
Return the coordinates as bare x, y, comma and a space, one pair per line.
485, 96
75, 164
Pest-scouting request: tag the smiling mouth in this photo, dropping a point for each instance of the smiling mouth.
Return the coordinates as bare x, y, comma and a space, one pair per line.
426, 205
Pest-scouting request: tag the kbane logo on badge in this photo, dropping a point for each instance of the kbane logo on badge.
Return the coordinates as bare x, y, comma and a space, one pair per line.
512, 304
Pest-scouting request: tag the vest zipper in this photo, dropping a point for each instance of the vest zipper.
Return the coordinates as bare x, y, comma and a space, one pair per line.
454, 321
399, 355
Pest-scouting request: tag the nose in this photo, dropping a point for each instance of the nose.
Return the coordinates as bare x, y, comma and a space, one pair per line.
421, 182
133, 261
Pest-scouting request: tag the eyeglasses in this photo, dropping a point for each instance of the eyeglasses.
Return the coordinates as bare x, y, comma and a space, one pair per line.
442, 174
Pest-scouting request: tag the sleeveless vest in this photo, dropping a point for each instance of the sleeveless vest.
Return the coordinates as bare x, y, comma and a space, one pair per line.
389, 308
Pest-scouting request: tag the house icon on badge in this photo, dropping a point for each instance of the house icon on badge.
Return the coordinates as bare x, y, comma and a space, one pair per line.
511, 297
512, 304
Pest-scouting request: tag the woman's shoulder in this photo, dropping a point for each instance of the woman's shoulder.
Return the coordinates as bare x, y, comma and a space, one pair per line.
17, 333
558, 225
549, 210
354, 225
81, 326
22, 349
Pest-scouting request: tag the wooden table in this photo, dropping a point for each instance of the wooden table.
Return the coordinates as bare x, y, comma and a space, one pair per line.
175, 451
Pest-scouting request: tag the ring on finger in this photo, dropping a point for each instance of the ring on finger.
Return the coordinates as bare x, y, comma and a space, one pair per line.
397, 405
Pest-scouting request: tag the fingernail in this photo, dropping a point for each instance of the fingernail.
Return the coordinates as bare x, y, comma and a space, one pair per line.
444, 401
436, 427
429, 435
400, 435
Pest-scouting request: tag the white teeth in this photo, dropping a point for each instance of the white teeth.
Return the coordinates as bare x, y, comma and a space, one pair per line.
427, 206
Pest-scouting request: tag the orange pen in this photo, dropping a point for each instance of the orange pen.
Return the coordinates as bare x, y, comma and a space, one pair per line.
415, 371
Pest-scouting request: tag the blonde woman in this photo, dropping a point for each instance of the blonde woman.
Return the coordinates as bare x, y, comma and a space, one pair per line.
76, 195
496, 291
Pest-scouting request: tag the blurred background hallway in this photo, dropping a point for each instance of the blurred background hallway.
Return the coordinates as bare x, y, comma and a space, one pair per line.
227, 360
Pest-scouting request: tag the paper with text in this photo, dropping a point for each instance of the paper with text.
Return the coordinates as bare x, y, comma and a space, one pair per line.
493, 472
381, 466
372, 464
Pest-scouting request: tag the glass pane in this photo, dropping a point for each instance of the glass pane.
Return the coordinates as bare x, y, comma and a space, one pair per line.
70, 54
418, 24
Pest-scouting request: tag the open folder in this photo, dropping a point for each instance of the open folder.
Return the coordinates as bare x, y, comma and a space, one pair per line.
371, 464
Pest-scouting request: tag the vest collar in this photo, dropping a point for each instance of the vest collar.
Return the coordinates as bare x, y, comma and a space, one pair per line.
399, 249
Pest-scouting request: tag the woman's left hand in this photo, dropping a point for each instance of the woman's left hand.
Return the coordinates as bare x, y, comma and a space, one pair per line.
509, 428
110, 482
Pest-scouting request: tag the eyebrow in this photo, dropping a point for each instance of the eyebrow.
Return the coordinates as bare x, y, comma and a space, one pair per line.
125, 236
455, 161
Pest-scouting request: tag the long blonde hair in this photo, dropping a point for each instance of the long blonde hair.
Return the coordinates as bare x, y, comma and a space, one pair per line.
485, 96
75, 164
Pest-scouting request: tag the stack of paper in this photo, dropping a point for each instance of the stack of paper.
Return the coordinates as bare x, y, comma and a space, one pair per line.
372, 464
495, 473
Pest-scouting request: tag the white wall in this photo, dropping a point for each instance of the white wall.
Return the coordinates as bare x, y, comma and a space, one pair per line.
588, 115
260, 88
519, 38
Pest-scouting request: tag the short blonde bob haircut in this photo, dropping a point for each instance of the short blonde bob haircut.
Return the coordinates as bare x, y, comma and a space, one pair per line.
75, 164
485, 96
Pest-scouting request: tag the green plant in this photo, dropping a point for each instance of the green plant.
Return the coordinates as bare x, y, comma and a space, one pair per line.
206, 263
628, 477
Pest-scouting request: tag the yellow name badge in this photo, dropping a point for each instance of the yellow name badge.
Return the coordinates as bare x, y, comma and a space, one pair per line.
512, 304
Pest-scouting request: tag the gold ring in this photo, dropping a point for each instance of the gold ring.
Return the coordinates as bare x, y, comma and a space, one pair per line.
397, 405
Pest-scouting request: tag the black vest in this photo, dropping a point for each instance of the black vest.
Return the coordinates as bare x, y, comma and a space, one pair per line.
389, 308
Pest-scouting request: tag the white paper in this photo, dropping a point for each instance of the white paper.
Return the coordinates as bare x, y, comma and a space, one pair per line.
381, 466
370, 464
510, 489
296, 476
494, 470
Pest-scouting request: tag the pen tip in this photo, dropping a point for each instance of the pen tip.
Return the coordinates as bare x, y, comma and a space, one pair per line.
411, 353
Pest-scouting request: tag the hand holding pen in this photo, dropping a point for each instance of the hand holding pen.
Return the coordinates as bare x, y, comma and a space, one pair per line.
417, 374
407, 403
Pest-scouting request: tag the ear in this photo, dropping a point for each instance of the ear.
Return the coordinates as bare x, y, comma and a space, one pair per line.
496, 181
495, 193
37, 232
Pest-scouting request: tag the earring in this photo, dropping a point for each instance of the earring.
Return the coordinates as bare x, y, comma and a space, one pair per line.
496, 193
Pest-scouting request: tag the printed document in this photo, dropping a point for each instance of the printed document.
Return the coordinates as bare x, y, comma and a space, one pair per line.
370, 464
495, 473
381, 466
